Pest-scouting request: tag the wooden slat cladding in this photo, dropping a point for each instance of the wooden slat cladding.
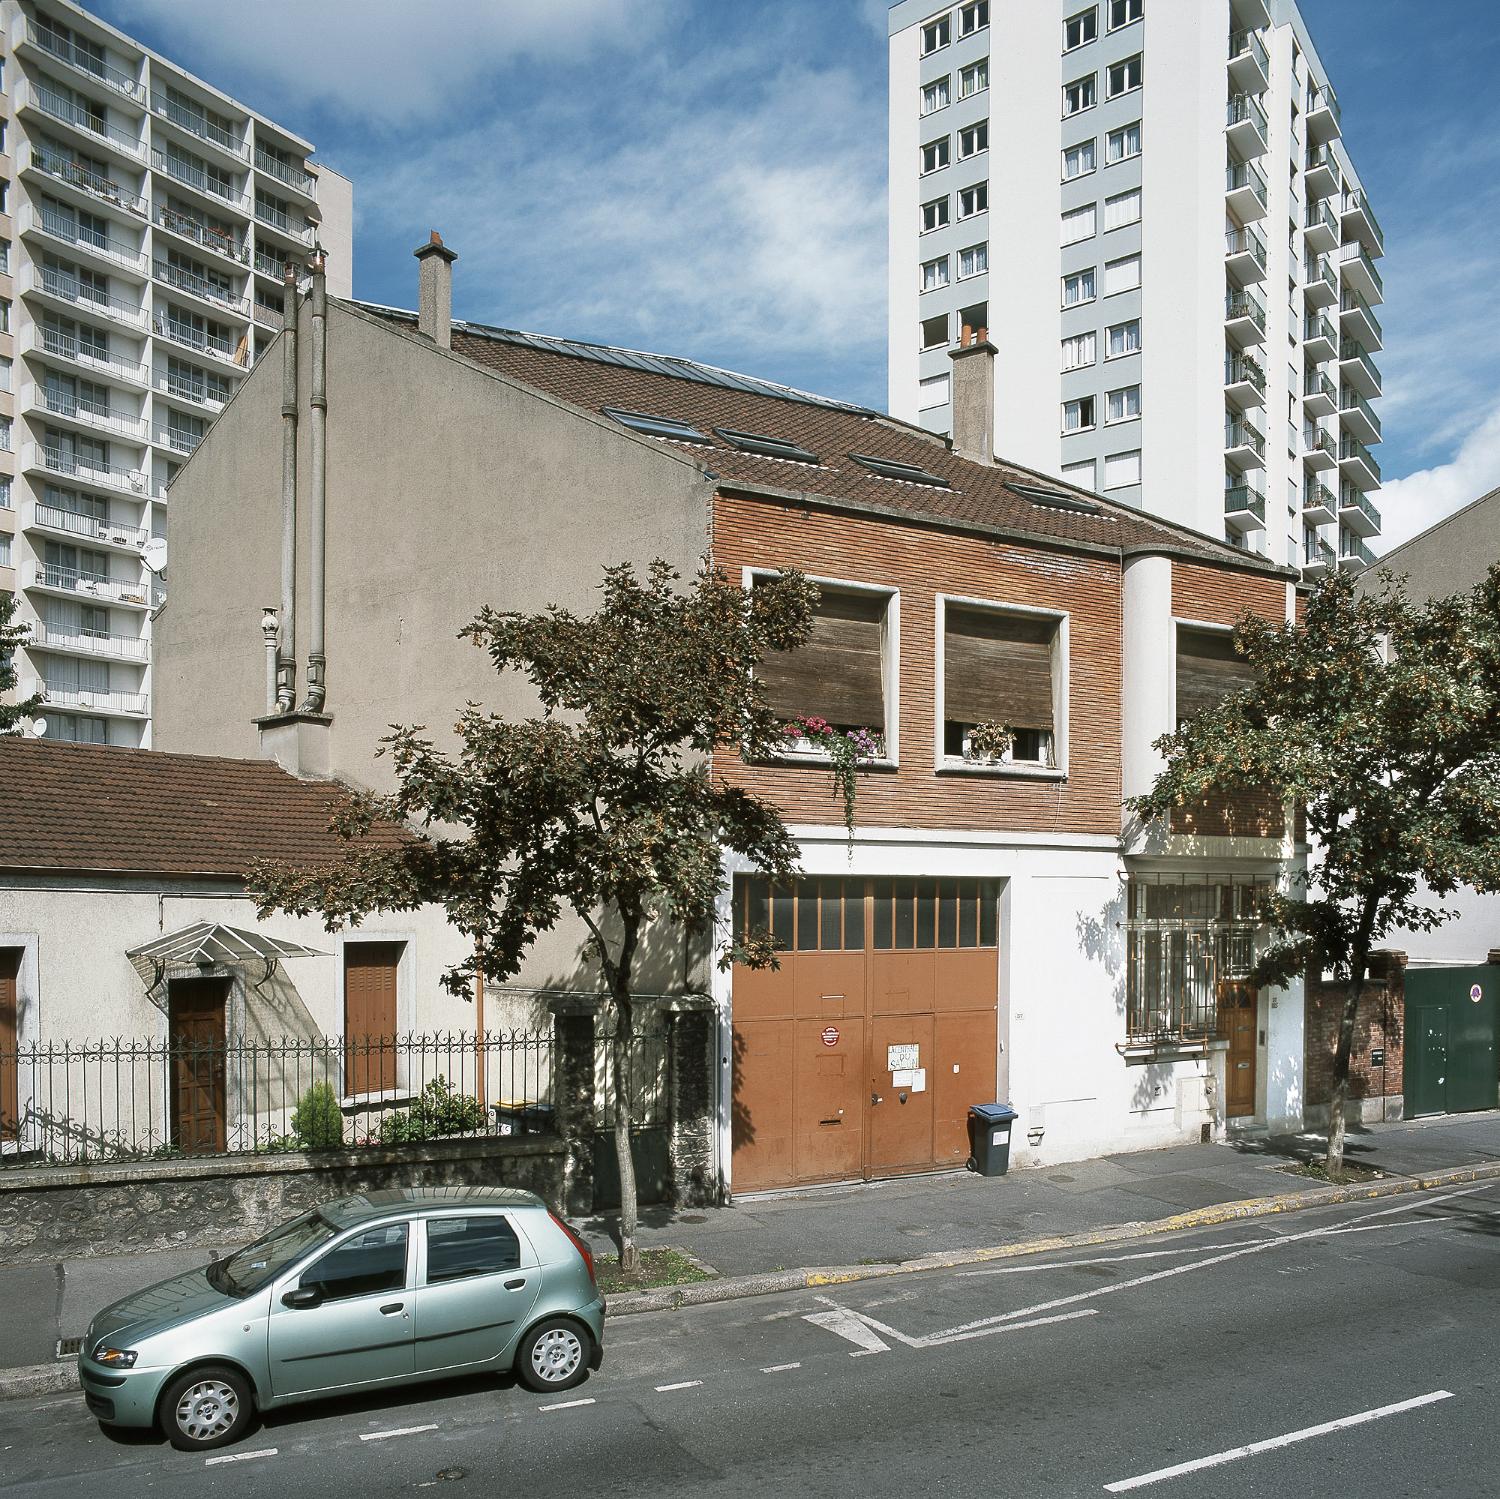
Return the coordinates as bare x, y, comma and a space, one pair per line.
837, 674
920, 563
1232, 814
997, 668
1218, 596
1208, 670
370, 1017
10, 1072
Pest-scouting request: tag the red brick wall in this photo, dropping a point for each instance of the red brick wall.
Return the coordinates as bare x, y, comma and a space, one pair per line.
1382, 1009
921, 563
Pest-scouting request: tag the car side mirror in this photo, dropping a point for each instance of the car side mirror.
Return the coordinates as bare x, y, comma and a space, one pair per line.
299, 1298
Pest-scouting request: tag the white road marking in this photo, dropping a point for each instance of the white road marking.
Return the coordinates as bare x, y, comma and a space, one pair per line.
565, 1405
396, 1431
936, 1339
779, 1368
851, 1325
1272, 1443
687, 1384
860, 1327
1103, 1259
240, 1457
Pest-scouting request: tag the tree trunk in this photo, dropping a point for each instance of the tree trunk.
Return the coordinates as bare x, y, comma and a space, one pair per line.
1334, 1163
630, 1255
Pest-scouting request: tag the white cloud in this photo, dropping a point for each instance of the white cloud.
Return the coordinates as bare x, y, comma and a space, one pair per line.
1412, 504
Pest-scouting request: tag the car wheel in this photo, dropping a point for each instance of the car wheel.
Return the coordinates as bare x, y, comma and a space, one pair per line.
554, 1355
206, 1408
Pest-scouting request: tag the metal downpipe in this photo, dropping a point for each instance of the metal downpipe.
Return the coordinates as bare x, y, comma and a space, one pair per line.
317, 686
286, 665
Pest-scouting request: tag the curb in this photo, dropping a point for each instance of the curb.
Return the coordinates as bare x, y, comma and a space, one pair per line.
38, 1379
740, 1286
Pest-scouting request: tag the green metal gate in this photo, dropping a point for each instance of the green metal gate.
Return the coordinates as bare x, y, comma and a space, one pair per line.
1452, 1029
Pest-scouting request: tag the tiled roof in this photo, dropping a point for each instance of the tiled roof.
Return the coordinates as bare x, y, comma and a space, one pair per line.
594, 376
103, 808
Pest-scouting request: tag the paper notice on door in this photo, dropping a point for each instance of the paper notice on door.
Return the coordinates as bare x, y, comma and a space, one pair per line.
919, 1080
901, 1058
903, 1079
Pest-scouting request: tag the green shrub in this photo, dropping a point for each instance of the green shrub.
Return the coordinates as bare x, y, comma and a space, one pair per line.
437, 1111
317, 1121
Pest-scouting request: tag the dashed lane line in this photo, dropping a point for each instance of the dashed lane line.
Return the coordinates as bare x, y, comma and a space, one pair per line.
566, 1405
240, 1457
396, 1431
686, 1384
779, 1368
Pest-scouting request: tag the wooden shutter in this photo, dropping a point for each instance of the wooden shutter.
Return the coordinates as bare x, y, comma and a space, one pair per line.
370, 970
1207, 670
10, 1070
997, 668
837, 674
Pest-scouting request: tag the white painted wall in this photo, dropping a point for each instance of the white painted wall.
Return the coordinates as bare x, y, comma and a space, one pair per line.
904, 136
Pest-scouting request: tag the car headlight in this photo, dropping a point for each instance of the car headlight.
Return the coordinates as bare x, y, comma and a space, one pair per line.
114, 1358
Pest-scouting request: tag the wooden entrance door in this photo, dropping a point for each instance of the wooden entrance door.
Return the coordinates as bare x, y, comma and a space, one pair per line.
10, 1033
370, 1018
196, 1033
1237, 1017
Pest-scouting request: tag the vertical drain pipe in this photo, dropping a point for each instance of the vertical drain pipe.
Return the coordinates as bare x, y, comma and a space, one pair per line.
286, 667
317, 686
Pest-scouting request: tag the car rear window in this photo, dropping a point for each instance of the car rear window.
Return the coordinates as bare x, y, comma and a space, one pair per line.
457, 1247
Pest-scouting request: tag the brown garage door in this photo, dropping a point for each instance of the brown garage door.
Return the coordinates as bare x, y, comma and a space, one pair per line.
861, 1055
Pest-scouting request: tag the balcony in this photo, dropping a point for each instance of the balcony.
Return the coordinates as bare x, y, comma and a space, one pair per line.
1246, 126
1320, 396
52, 345
1354, 555
1357, 369
197, 286
1358, 322
211, 344
1319, 451
1319, 504
61, 287
179, 440
299, 182
1245, 191
91, 185
82, 470
1320, 282
1319, 341
1356, 513
1244, 257
1318, 558
190, 176
1244, 319
61, 49
1324, 175
1359, 222
1320, 230
1251, 14
216, 241
1358, 416
193, 392
1249, 62
1244, 382
268, 317
277, 220
71, 583
34, 97
98, 644
1360, 273
126, 704
90, 528
1244, 447
1321, 117
96, 416
60, 228
1244, 509
1357, 463
199, 127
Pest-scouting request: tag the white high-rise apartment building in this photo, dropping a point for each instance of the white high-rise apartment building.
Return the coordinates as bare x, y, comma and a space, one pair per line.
145, 218
1149, 206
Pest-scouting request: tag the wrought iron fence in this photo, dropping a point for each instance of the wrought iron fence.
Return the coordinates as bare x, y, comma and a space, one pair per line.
647, 1078
134, 1099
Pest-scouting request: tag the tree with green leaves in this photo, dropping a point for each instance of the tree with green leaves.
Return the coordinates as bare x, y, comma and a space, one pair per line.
605, 807
1381, 717
12, 636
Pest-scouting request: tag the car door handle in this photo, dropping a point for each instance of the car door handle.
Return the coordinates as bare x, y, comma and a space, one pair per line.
515, 1285
391, 1308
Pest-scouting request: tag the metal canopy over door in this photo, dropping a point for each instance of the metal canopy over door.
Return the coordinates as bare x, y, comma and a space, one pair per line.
1237, 1019
10, 1032
1452, 1017
195, 1028
861, 1054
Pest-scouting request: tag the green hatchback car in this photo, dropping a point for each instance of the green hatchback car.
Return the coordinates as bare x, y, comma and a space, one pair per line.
388, 1288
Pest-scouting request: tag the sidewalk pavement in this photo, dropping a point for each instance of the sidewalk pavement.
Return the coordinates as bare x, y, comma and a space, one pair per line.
872, 1224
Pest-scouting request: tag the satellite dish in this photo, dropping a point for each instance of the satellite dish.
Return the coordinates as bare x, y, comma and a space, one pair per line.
39, 727
154, 554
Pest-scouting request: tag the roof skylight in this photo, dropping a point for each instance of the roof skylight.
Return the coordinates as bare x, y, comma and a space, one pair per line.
1053, 499
891, 468
655, 426
766, 447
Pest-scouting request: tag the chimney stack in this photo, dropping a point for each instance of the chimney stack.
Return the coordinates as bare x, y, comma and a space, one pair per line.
972, 396
435, 291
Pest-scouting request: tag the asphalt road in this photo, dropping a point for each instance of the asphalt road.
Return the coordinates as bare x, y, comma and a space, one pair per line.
1344, 1351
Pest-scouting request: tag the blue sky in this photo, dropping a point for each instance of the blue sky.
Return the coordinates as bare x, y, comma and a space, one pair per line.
707, 177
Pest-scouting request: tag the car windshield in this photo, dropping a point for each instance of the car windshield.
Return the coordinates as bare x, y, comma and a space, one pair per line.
256, 1264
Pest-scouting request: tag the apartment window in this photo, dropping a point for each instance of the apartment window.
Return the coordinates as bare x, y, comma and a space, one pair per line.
1000, 668
1078, 351
1123, 12
1122, 76
1123, 143
934, 273
1080, 29
75, 729
936, 34
973, 140
1208, 670
5, 256
1078, 414
1123, 405
974, 79
1122, 209
1078, 288
1079, 224
935, 95
1079, 95
5, 549
1122, 275
934, 214
974, 261
975, 318
972, 200
4, 315
1080, 473
5, 496
932, 392
5, 431
1078, 161
935, 154
972, 18
934, 331
1121, 470
5, 374
1123, 339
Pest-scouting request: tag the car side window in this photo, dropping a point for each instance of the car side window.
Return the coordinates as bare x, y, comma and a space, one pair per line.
457, 1247
369, 1263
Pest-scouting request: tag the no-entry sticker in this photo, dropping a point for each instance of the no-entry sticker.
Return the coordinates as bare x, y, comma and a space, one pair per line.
830, 1035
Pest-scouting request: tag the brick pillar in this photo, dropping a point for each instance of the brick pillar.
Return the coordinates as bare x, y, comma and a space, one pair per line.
573, 1098
692, 1126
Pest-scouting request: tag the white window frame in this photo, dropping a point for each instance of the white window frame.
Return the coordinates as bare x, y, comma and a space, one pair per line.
967, 76
1139, 59
1125, 416
1074, 220
1078, 15
980, 131
1123, 260
941, 219
1111, 160
936, 34
940, 269
941, 147
1093, 296
973, 18
1089, 340
1072, 471
982, 252
932, 382
1134, 322
972, 192
1089, 84
1061, 662
1078, 148
1122, 198
1078, 401
940, 90
944, 341
1115, 25
1125, 453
